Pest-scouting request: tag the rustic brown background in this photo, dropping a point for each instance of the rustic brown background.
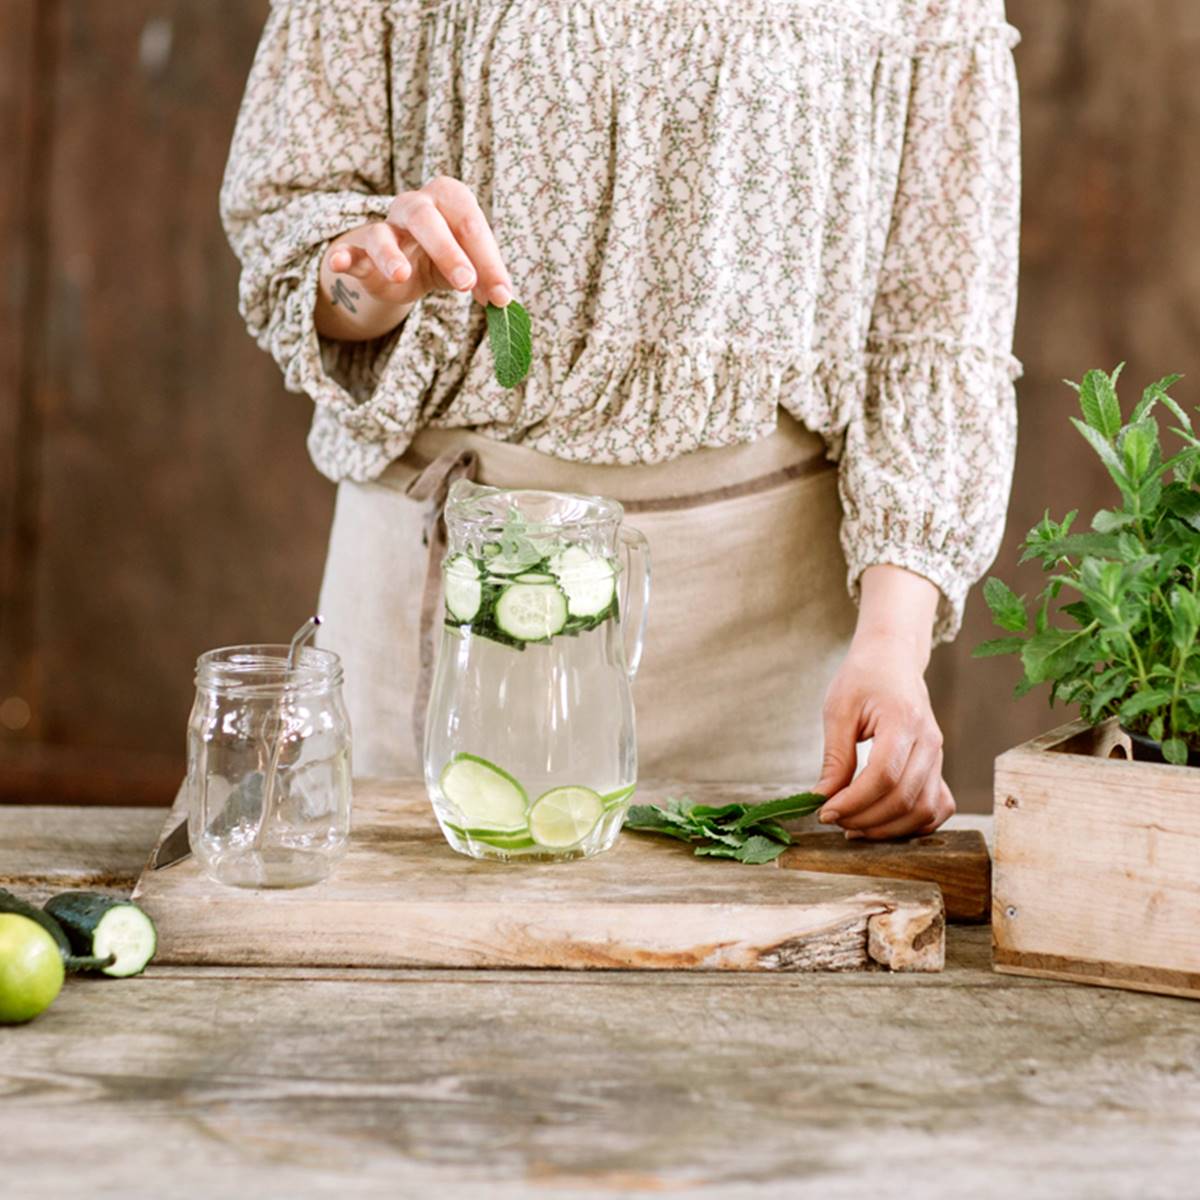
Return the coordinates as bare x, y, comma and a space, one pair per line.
155, 496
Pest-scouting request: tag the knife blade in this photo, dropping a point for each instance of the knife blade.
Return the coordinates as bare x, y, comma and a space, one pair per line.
175, 847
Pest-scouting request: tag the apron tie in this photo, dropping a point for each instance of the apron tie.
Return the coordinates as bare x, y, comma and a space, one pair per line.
432, 486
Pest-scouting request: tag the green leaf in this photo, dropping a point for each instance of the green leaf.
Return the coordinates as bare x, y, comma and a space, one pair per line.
1008, 609
1098, 401
1024, 687
1155, 729
649, 818
1141, 702
997, 646
1157, 393
715, 850
1183, 502
1107, 520
718, 812
1175, 751
800, 805
773, 830
1051, 654
1075, 545
1185, 619
1108, 455
510, 334
759, 850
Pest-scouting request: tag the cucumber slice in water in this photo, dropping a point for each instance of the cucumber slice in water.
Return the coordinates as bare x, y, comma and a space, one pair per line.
486, 796
502, 839
531, 612
616, 799
564, 816
534, 577
589, 582
462, 587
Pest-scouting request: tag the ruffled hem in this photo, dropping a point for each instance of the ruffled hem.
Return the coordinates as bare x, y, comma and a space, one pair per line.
946, 25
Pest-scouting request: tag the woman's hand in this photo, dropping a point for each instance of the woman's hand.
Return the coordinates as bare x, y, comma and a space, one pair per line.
880, 693
433, 238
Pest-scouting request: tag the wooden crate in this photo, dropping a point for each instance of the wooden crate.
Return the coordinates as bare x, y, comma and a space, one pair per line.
1096, 874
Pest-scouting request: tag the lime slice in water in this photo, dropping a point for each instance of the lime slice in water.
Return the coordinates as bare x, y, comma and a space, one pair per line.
564, 816
486, 796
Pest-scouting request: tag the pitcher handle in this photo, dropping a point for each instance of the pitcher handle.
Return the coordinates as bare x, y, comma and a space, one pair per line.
635, 585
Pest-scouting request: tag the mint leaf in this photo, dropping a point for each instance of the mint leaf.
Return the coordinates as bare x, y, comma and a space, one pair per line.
760, 850
717, 851
1098, 400
510, 334
773, 830
800, 805
1175, 751
1008, 609
997, 646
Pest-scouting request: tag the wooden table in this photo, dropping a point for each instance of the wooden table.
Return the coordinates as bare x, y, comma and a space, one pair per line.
212, 1082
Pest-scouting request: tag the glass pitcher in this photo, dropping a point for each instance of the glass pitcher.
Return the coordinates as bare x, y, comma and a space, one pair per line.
530, 752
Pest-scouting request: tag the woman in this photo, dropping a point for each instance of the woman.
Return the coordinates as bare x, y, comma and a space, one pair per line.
757, 238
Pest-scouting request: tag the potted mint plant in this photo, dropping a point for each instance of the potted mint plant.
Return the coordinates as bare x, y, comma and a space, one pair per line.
1124, 643
1097, 872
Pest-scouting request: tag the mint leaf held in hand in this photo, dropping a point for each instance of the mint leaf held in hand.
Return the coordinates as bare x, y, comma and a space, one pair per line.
510, 335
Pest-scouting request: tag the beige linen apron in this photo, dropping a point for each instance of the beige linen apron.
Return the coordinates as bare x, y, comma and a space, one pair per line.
749, 616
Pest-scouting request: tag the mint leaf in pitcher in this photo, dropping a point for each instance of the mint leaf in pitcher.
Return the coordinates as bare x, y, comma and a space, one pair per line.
510, 335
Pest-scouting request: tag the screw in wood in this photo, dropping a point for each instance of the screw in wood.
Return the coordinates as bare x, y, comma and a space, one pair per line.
1011, 802
1010, 911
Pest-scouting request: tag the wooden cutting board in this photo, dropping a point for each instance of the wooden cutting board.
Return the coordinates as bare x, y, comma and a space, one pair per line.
402, 897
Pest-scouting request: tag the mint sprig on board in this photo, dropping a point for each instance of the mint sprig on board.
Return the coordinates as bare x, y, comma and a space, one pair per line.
511, 338
749, 833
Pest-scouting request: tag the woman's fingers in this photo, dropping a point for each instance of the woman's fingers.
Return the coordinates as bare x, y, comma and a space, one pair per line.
840, 756
363, 264
445, 220
924, 763
890, 751
390, 261
933, 807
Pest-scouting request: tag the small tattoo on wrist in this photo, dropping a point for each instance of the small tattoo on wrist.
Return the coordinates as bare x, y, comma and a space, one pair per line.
344, 296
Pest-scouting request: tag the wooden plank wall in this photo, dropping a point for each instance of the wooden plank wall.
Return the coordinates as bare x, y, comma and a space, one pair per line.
155, 495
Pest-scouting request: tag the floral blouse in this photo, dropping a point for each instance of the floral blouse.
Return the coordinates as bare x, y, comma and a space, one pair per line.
710, 208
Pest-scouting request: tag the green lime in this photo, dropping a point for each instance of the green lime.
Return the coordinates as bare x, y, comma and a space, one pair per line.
31, 969
564, 816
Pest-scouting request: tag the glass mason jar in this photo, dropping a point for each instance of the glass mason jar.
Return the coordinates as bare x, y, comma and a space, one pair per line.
268, 766
530, 751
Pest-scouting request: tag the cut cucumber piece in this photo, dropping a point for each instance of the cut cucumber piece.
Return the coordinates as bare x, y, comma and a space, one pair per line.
531, 612
564, 816
486, 796
103, 925
616, 799
502, 839
589, 582
533, 577
464, 591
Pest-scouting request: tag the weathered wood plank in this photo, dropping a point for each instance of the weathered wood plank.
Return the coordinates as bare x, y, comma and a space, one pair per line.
1097, 874
957, 860
589, 1086
46, 849
401, 897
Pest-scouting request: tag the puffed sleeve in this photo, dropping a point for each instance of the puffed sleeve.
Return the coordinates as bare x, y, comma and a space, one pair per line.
313, 156
927, 464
